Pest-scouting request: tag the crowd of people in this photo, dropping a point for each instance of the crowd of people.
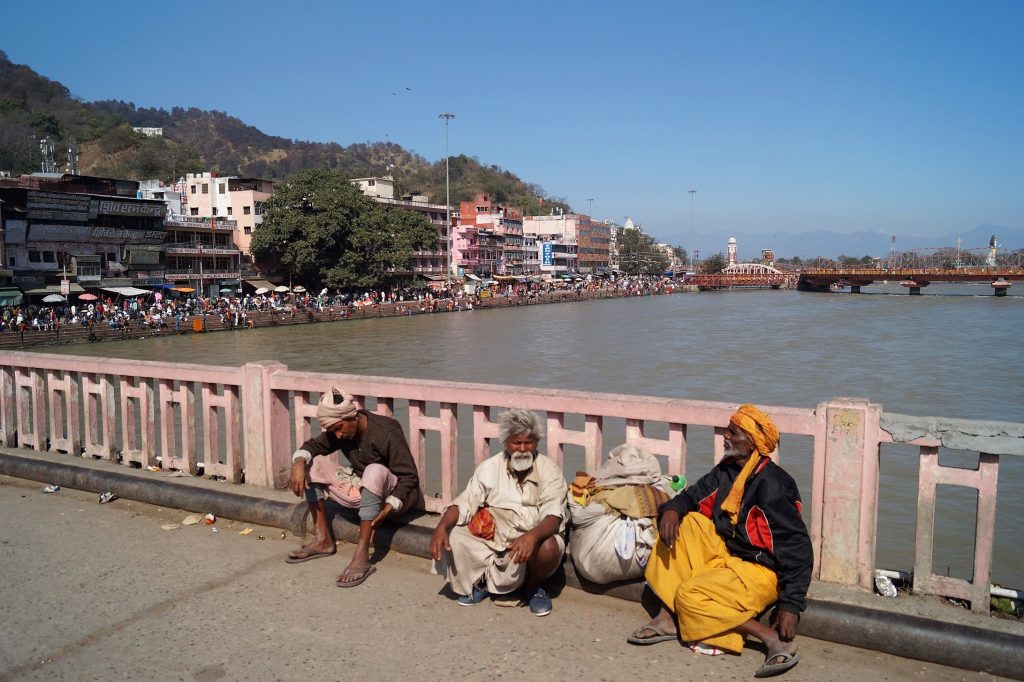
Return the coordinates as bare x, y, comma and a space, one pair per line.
160, 310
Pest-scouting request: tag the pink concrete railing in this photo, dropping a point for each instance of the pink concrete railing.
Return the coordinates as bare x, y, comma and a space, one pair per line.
253, 417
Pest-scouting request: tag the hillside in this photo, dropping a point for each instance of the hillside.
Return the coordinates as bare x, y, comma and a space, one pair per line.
32, 106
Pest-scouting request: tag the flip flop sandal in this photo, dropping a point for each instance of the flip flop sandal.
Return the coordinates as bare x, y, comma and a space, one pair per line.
659, 636
362, 573
309, 556
788, 661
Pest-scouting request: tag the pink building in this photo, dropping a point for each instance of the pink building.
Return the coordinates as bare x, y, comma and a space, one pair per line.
494, 233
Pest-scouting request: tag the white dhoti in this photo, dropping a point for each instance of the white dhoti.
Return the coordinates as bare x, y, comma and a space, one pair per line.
471, 559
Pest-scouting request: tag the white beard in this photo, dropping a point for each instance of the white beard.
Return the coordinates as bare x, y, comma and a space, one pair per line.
521, 461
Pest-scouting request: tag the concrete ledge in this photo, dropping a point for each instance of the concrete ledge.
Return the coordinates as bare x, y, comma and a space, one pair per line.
935, 641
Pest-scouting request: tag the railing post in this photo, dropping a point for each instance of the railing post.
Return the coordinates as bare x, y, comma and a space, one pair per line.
8, 415
847, 472
267, 440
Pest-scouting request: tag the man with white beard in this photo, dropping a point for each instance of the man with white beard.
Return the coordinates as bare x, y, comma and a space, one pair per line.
505, 529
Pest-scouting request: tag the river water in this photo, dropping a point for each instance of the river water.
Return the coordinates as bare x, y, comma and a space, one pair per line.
954, 351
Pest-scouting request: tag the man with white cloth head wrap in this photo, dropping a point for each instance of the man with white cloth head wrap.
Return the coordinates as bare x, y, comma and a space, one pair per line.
381, 482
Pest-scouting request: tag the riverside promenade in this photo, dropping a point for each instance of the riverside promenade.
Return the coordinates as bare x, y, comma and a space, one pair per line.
290, 315
97, 592
149, 431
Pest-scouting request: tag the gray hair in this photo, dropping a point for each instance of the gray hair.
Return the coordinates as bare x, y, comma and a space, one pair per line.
518, 421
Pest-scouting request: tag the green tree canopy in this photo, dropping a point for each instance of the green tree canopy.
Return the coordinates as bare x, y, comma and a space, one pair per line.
713, 264
319, 227
639, 253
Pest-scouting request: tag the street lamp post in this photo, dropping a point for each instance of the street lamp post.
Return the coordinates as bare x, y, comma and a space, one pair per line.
692, 252
447, 116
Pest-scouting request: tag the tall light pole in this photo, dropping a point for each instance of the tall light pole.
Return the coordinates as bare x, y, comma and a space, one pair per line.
447, 116
692, 266
591, 209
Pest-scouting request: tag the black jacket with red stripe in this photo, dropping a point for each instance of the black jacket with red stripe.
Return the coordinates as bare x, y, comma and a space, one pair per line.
770, 530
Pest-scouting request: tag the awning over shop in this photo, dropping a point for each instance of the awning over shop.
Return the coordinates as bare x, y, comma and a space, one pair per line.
127, 291
434, 278
473, 277
259, 284
54, 289
11, 296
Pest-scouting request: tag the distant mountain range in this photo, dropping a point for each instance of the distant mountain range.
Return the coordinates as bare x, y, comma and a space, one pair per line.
833, 244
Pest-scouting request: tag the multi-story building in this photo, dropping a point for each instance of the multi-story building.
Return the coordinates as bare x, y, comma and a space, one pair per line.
201, 255
430, 264
241, 200
65, 233
531, 255
558, 255
506, 227
592, 238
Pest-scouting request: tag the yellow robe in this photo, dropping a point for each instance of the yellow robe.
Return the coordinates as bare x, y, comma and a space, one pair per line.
710, 591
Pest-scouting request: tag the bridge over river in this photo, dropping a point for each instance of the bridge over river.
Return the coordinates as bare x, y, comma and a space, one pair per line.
914, 278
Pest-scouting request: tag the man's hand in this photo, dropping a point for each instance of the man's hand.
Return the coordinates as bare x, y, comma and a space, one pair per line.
300, 478
668, 527
384, 513
439, 541
785, 624
522, 548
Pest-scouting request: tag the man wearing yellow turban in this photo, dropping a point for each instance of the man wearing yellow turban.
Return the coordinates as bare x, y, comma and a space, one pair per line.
729, 547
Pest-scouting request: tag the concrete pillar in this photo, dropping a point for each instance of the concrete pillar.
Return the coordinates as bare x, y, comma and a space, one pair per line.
1000, 286
845, 491
267, 437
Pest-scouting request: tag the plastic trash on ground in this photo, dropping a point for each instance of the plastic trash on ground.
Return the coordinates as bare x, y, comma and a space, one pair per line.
51, 488
885, 586
245, 532
170, 526
209, 520
191, 519
107, 497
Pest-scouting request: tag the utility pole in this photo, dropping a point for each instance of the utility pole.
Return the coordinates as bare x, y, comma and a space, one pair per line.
447, 116
692, 245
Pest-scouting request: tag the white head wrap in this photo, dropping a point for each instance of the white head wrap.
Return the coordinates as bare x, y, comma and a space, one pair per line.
334, 406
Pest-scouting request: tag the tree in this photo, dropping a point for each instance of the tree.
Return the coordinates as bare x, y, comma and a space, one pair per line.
713, 264
639, 253
323, 230
680, 254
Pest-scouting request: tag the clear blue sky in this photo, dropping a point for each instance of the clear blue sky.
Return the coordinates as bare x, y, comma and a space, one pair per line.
903, 116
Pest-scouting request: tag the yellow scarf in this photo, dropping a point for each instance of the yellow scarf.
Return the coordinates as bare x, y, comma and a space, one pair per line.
765, 436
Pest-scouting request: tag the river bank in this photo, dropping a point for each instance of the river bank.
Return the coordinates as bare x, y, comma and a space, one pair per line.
254, 319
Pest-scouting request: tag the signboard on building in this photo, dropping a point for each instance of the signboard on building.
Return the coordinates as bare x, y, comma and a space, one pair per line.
547, 251
65, 287
107, 207
129, 236
57, 206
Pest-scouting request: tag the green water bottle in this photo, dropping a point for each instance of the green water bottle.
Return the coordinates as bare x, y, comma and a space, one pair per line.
678, 483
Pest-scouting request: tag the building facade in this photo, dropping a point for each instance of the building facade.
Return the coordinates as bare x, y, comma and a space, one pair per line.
430, 264
240, 200
591, 238
503, 226
65, 233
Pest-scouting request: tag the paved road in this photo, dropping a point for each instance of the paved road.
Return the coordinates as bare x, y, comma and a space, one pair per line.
101, 592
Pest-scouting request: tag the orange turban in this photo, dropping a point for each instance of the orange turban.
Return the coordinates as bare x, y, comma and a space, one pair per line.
765, 436
758, 426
